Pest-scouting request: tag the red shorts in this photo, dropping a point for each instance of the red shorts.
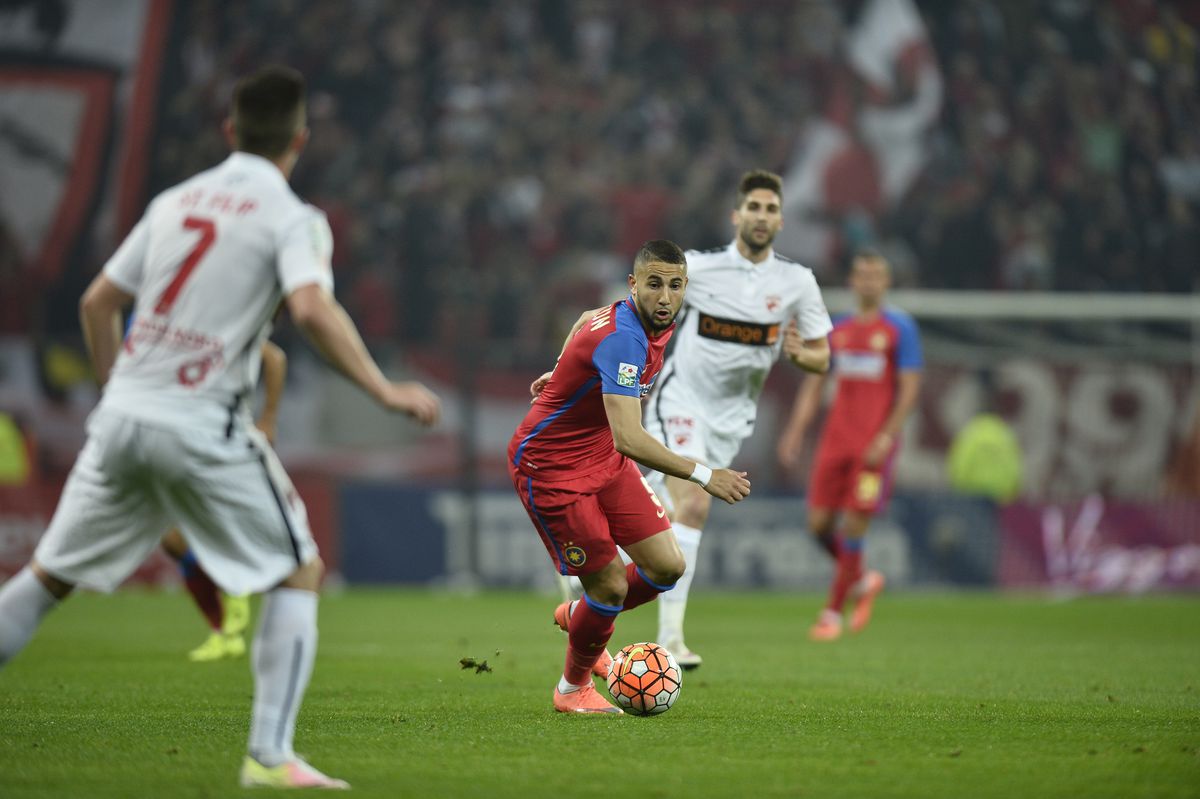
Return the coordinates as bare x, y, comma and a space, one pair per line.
841, 481
581, 521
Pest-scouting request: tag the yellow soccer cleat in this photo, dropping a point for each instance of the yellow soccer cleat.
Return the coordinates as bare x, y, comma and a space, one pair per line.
235, 614
218, 646
292, 774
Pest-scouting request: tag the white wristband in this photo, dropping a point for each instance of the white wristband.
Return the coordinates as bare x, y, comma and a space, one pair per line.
701, 474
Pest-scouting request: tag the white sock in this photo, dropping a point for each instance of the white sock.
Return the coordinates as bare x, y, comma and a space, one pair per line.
284, 649
23, 603
673, 604
565, 687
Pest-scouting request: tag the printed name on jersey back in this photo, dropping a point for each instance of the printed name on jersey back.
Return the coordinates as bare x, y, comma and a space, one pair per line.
861, 365
209, 350
217, 203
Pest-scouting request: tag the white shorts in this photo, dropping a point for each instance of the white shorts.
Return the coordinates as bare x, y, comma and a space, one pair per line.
673, 417
229, 496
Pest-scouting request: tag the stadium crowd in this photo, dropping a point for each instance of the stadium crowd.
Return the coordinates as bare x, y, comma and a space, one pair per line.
471, 154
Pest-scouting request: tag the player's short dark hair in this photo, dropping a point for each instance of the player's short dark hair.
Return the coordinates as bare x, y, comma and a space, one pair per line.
661, 250
759, 179
870, 254
268, 110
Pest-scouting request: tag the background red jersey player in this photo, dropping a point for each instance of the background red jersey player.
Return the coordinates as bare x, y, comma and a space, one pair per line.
877, 362
572, 464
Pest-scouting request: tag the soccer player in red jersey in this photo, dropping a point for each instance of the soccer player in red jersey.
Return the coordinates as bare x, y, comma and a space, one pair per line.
572, 462
877, 361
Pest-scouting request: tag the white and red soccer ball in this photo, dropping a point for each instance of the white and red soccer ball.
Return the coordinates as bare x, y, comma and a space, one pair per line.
644, 679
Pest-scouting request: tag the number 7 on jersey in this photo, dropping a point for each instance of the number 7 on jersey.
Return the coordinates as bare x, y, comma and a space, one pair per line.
208, 234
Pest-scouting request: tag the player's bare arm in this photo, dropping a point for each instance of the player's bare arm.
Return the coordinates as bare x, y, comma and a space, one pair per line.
274, 375
631, 440
811, 355
908, 385
327, 325
100, 315
804, 410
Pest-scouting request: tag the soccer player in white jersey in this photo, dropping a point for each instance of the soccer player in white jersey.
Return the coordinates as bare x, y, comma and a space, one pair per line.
172, 441
744, 306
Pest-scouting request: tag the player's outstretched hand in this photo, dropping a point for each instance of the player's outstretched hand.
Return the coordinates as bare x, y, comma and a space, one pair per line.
728, 485
413, 399
536, 387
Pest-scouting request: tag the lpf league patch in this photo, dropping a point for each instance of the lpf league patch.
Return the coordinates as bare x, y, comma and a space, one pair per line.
575, 556
627, 375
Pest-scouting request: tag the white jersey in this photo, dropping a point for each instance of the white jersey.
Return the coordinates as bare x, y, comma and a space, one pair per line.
731, 332
209, 263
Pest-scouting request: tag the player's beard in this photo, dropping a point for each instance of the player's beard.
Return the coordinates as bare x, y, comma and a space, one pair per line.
651, 323
747, 234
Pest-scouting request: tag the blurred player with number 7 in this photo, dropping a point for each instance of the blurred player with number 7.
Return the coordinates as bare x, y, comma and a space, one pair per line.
172, 441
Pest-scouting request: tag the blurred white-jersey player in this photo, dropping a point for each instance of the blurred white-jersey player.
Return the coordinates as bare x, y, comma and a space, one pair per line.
745, 304
172, 442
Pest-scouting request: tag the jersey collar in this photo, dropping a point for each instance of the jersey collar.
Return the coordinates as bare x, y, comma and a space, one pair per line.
256, 164
744, 262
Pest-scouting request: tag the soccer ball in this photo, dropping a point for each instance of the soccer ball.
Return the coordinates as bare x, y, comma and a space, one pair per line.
644, 679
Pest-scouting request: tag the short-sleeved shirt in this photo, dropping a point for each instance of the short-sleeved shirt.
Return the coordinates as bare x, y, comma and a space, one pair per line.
731, 331
209, 263
566, 433
868, 356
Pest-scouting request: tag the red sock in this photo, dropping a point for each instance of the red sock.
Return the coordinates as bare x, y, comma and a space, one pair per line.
203, 590
591, 627
641, 590
849, 569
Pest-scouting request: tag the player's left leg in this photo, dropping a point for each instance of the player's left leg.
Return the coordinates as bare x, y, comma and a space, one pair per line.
590, 625
864, 584
25, 599
691, 505
249, 529
284, 650
869, 490
657, 570
103, 527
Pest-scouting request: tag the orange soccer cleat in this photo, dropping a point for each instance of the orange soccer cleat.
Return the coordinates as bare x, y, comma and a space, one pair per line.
828, 626
586, 700
562, 617
864, 592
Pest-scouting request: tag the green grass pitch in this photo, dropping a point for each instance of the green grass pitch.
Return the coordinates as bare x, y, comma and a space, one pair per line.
946, 695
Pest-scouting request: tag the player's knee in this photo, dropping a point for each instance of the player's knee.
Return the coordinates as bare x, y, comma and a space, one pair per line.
820, 522
308, 577
669, 571
610, 590
59, 589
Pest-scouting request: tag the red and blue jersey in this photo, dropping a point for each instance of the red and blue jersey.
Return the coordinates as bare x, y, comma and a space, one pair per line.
566, 433
868, 356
